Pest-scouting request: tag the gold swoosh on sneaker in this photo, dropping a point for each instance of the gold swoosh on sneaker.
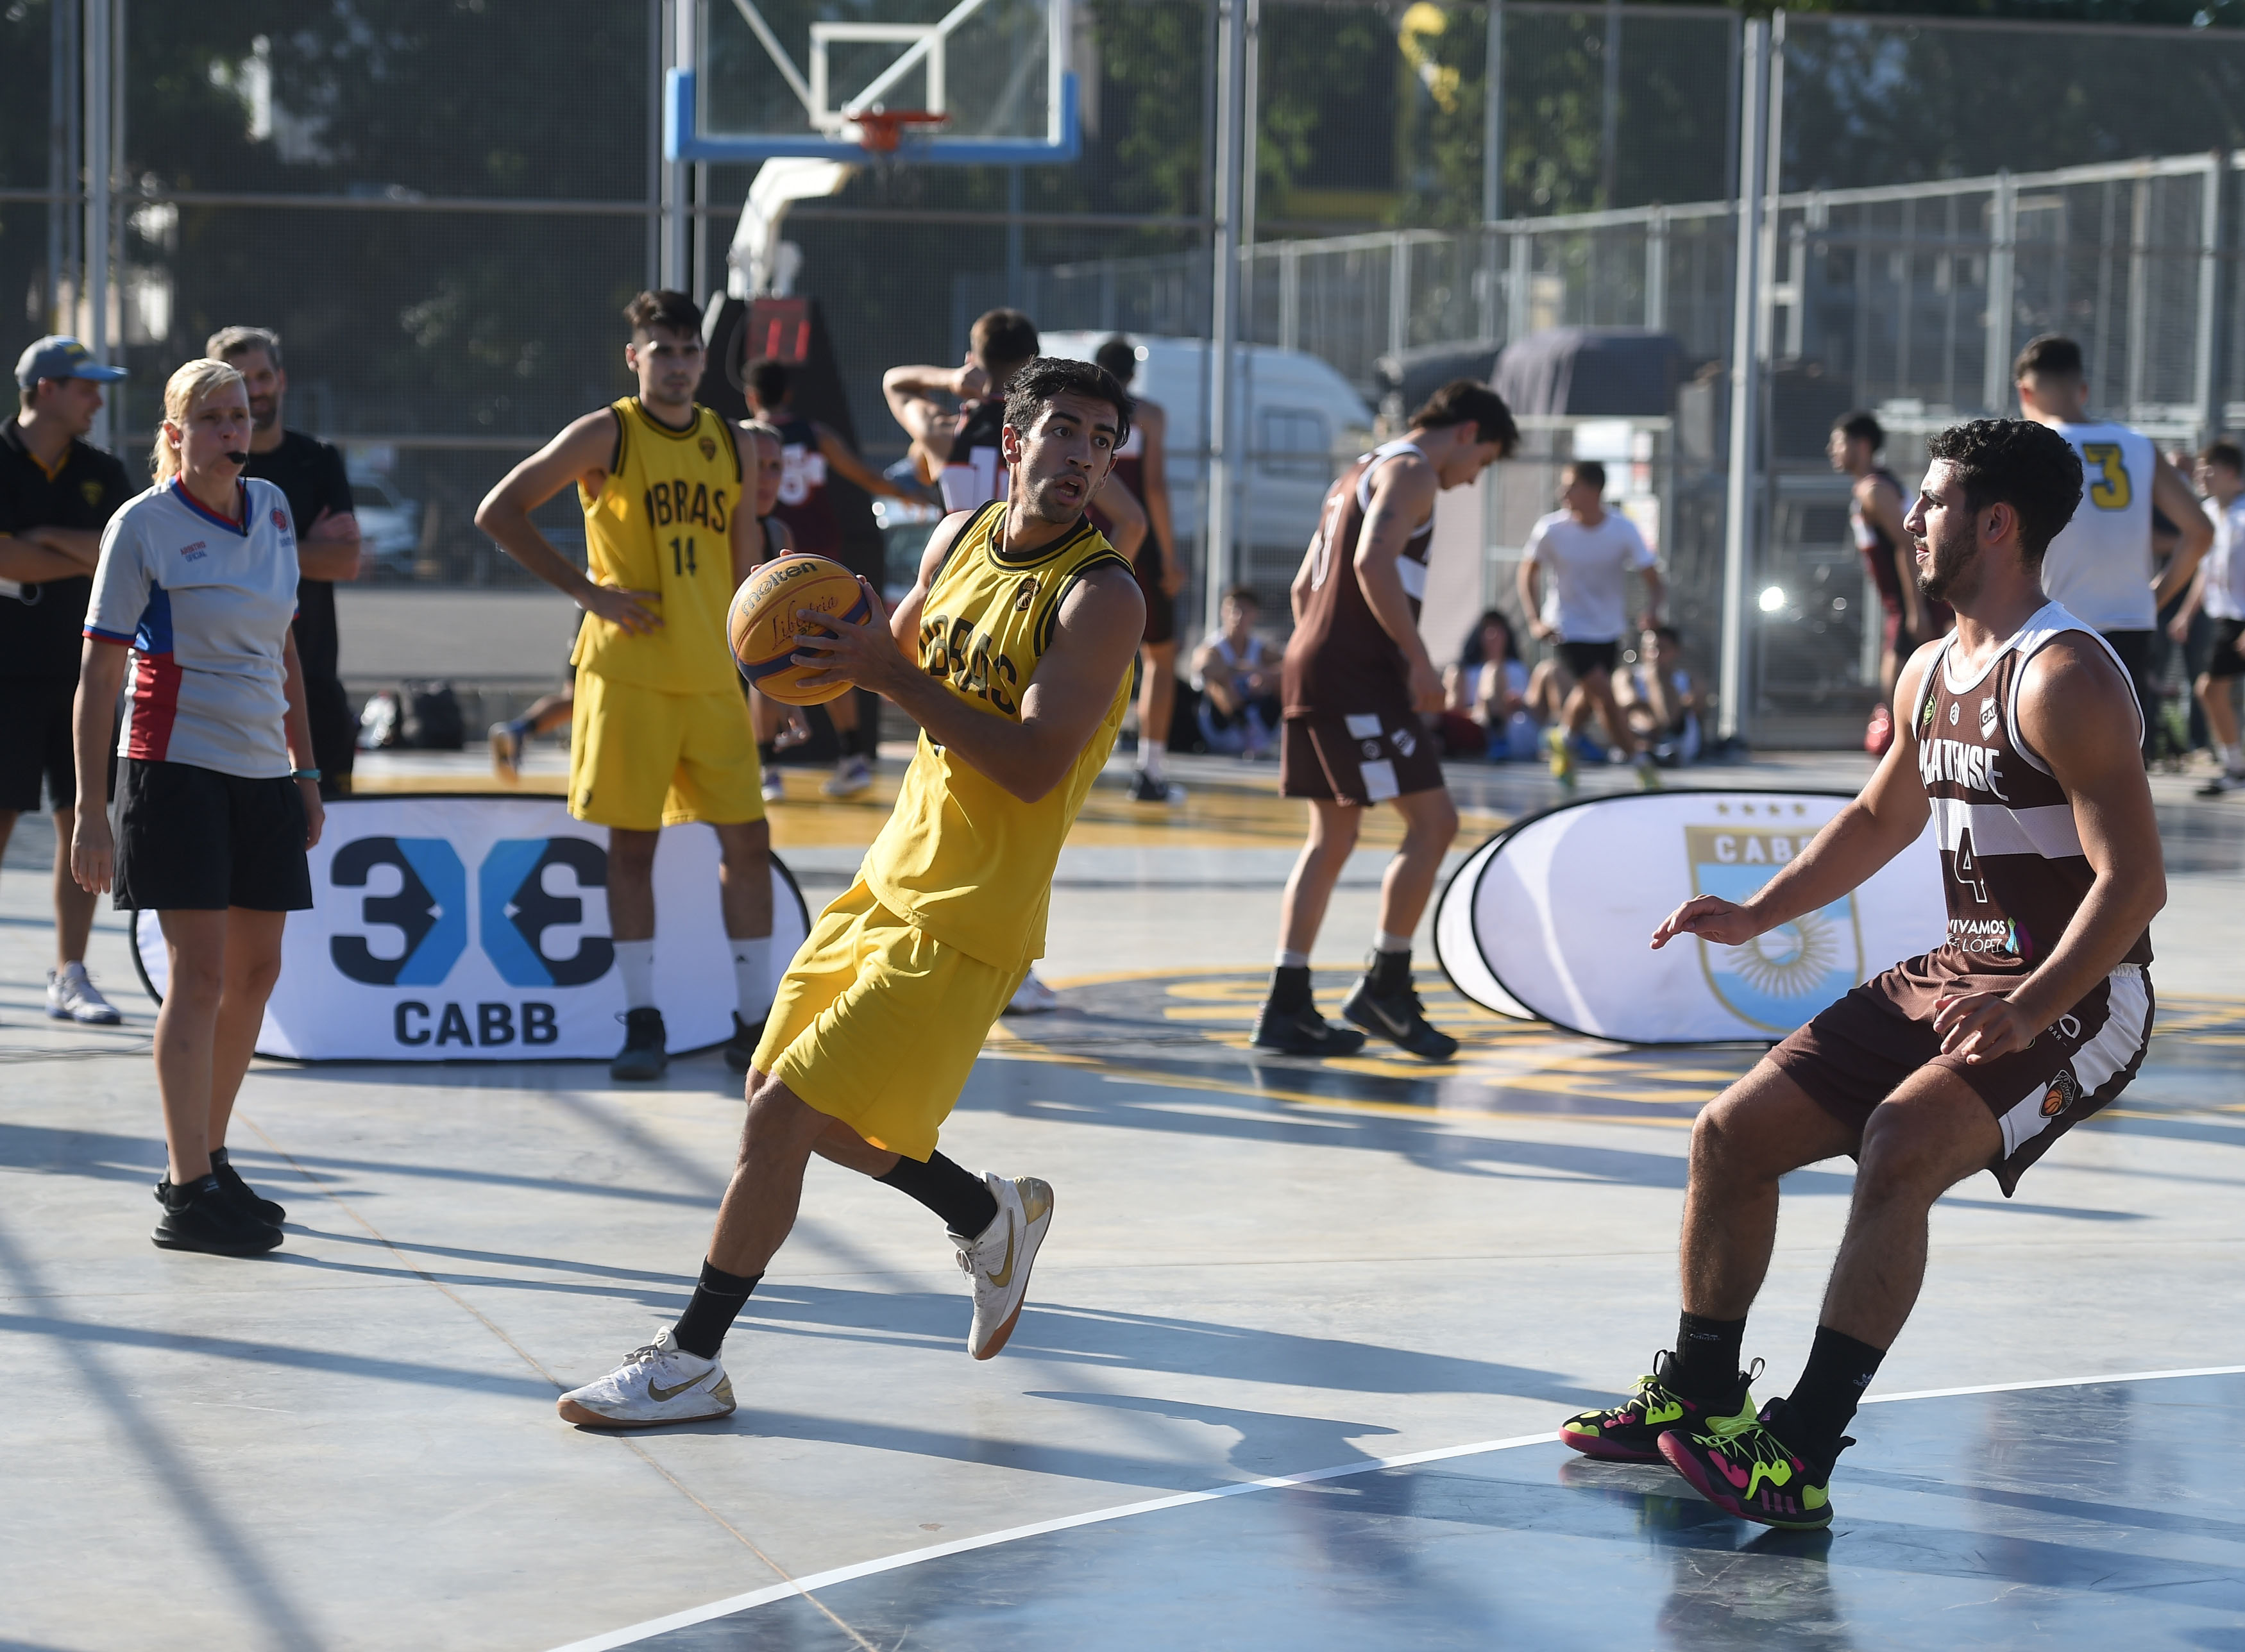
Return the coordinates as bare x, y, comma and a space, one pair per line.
1003, 1276
659, 1394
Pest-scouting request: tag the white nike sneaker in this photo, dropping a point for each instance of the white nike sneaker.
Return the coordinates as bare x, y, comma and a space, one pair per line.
775, 789
853, 776
998, 1259
661, 1382
1032, 997
73, 997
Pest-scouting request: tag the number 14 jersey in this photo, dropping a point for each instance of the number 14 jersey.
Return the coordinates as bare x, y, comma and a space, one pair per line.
663, 524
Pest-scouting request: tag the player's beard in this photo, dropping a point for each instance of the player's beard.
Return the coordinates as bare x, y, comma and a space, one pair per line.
1048, 503
1952, 561
264, 412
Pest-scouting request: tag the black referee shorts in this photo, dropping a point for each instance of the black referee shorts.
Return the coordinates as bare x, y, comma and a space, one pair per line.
192, 839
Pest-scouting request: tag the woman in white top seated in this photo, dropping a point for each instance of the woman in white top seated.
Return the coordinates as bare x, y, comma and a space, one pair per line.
217, 799
1490, 685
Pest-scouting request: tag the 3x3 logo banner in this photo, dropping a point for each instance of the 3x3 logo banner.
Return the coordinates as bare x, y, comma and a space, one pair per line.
449, 927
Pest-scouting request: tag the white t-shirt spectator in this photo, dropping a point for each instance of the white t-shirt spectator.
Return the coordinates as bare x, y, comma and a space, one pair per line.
1586, 574
2224, 596
205, 606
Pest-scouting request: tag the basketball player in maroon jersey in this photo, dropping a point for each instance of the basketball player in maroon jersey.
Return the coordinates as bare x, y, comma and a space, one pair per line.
808, 451
1357, 681
1875, 507
1143, 468
2019, 738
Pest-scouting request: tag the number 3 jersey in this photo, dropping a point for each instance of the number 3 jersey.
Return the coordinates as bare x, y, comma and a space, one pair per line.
663, 524
2011, 854
962, 857
2099, 567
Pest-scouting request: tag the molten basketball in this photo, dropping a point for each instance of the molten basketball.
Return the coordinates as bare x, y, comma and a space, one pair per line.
764, 628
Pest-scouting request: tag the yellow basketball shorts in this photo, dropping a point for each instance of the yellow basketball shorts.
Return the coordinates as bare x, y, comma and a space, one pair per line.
878, 1023
640, 758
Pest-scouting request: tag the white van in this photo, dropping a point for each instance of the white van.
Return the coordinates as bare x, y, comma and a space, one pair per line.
1304, 420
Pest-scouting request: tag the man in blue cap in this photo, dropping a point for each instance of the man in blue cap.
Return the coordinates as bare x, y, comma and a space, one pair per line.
57, 494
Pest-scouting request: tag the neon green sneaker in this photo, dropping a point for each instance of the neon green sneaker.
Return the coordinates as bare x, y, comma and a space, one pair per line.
1742, 1468
1561, 755
1631, 1432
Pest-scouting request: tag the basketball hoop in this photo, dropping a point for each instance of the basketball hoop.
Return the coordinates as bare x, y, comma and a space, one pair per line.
879, 131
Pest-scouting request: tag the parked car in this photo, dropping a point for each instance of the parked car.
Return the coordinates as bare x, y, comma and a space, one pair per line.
389, 526
1304, 422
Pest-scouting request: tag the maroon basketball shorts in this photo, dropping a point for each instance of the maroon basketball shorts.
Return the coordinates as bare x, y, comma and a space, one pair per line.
1366, 757
1856, 1053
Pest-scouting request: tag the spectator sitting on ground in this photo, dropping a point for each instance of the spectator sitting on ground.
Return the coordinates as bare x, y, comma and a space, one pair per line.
1662, 699
1489, 688
1236, 671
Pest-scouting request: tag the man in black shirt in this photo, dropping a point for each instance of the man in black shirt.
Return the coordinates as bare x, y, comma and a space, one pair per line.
57, 494
311, 473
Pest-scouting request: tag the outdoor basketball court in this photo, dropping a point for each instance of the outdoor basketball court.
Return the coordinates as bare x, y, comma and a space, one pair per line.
1287, 1376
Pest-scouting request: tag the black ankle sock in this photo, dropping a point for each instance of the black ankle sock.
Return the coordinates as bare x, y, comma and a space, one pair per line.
1830, 1388
218, 1157
1290, 987
1706, 1356
960, 1197
852, 741
1389, 971
718, 1298
767, 751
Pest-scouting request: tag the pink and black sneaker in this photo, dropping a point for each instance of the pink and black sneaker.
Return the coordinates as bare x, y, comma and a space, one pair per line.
1743, 1468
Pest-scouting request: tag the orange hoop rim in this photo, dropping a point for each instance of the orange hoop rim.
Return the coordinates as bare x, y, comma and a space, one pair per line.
881, 129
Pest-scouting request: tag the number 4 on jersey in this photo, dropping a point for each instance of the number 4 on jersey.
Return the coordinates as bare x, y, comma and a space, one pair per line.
1968, 868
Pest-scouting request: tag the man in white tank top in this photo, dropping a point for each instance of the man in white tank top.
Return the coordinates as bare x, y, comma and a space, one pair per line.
2100, 567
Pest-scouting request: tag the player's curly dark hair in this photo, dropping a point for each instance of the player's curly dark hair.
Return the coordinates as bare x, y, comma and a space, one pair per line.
662, 307
2015, 461
1470, 402
1035, 386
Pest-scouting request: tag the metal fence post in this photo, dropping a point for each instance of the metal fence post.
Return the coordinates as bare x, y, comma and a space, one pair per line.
101, 166
1741, 494
1399, 291
2139, 281
2204, 394
1995, 372
677, 204
1655, 271
1224, 308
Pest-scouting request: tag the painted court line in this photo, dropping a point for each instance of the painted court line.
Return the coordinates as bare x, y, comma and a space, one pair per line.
1185, 1499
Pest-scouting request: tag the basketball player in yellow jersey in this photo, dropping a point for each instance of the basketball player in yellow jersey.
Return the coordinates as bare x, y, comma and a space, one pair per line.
659, 734
1013, 653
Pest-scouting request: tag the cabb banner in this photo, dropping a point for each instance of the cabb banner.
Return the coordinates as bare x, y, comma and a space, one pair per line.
476, 928
1552, 920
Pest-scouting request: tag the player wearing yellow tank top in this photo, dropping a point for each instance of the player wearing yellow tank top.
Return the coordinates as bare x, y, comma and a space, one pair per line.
1013, 653
659, 734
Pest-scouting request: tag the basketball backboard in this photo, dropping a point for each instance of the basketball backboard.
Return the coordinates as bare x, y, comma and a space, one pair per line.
774, 78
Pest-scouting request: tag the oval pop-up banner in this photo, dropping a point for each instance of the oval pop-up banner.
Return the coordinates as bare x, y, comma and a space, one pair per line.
1552, 920
474, 928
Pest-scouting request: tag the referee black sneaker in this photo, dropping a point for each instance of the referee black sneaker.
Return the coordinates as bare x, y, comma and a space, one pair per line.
643, 1057
241, 1193
740, 1049
200, 1216
1393, 1012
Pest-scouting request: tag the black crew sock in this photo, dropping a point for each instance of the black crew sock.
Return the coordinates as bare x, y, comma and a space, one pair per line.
1290, 987
718, 1298
1390, 973
768, 751
1830, 1388
852, 741
1706, 1361
960, 1197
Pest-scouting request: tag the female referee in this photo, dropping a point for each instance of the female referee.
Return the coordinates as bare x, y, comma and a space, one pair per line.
217, 801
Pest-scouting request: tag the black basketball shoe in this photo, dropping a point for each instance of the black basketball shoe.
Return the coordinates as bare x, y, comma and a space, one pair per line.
1300, 1029
1631, 1432
201, 1216
1397, 1014
643, 1057
740, 1049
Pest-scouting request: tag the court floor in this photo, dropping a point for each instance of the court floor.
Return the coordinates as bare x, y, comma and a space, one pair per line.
1288, 1376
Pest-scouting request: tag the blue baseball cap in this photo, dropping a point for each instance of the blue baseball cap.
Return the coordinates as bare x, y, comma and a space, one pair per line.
60, 357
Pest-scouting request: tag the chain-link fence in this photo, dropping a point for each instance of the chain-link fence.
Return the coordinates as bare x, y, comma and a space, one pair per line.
445, 248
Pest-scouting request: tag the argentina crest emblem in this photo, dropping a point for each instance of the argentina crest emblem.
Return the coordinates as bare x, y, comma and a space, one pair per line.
1782, 977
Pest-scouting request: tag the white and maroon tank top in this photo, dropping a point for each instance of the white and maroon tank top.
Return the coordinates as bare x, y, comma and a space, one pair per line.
2011, 855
